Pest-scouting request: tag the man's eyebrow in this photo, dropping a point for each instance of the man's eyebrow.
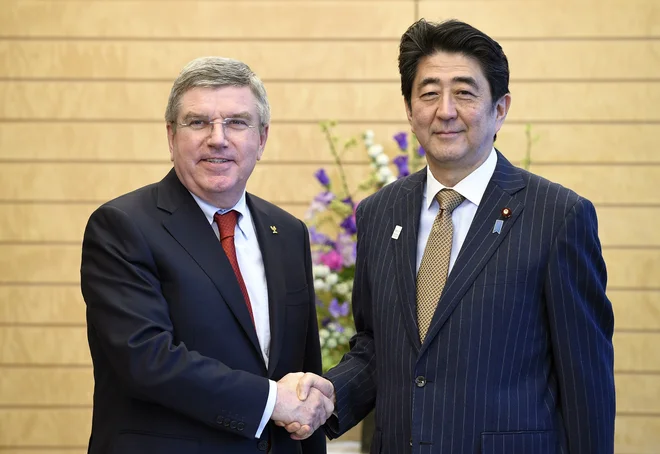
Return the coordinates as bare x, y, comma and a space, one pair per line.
466, 80
471, 81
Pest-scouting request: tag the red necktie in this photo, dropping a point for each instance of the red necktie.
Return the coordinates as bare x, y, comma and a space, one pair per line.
227, 225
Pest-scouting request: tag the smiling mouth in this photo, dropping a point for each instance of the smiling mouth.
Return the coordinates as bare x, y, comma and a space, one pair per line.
216, 161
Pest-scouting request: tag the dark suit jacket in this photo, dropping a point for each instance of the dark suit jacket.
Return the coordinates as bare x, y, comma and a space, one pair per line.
518, 358
177, 363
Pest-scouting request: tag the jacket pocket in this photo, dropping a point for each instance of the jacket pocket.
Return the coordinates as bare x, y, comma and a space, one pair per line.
143, 442
523, 442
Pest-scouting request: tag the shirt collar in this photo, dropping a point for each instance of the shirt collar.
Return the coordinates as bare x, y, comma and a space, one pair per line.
472, 187
241, 206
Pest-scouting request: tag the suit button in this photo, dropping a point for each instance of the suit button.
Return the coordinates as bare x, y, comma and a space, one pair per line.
262, 445
420, 381
233, 424
411, 442
227, 422
240, 426
219, 420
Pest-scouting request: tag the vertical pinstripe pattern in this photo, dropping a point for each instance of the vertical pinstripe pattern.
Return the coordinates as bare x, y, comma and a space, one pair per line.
518, 358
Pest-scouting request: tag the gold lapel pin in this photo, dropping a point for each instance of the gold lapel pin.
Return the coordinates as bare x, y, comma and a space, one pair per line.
273, 229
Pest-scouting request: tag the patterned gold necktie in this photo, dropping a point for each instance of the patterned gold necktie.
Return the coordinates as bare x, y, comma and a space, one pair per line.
433, 270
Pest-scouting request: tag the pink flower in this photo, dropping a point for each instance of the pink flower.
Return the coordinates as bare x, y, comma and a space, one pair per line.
332, 259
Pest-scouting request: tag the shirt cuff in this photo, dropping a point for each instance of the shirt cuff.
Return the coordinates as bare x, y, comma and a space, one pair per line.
270, 407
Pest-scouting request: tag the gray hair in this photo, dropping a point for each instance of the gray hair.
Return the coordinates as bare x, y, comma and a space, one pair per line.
217, 72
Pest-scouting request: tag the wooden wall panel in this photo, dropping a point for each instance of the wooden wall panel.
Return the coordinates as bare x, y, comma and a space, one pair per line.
84, 86
551, 19
636, 434
271, 60
637, 352
589, 60
25, 345
29, 386
635, 309
316, 101
205, 19
45, 428
304, 142
42, 304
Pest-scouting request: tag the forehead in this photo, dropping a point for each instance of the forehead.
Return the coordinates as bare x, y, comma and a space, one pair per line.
446, 66
222, 101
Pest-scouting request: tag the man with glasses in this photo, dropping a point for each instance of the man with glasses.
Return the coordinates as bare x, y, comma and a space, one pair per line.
200, 300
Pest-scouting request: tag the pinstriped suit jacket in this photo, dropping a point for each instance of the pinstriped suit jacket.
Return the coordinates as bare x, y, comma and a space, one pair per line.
518, 358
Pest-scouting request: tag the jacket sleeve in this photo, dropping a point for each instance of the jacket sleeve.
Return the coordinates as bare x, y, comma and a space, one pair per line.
354, 377
581, 327
129, 324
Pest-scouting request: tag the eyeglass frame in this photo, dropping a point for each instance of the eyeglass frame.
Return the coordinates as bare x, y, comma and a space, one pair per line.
212, 124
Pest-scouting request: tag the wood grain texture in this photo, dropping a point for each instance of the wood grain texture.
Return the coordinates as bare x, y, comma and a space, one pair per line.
199, 19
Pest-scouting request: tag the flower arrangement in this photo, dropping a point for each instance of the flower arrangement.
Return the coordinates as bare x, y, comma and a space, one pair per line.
331, 221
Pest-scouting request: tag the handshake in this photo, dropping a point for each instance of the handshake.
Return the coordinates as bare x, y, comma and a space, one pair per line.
304, 403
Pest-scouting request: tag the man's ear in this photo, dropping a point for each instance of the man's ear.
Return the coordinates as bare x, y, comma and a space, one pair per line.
170, 139
501, 110
263, 137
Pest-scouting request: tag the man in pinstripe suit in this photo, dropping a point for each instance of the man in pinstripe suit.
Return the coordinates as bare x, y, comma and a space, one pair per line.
518, 355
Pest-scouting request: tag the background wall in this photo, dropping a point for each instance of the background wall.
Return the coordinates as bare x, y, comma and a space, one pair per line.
83, 87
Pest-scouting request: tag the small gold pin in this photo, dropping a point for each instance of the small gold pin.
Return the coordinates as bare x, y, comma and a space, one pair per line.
273, 229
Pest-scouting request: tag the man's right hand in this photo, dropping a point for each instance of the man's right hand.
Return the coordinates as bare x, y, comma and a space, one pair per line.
301, 417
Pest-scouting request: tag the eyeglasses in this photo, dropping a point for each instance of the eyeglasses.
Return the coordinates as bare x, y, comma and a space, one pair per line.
205, 125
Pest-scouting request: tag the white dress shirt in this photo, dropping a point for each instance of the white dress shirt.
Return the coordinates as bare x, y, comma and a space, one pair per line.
472, 187
251, 264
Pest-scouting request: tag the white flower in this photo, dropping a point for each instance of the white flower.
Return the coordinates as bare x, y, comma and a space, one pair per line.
382, 159
332, 279
331, 343
390, 179
385, 172
324, 334
342, 288
375, 150
319, 285
321, 271
368, 137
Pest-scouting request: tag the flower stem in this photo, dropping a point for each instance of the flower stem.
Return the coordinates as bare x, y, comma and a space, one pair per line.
333, 149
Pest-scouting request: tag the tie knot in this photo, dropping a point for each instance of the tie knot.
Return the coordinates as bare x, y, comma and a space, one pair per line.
226, 223
449, 199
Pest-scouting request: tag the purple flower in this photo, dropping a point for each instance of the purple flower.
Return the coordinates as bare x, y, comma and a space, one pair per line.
316, 237
322, 177
402, 140
348, 225
324, 197
348, 201
401, 163
347, 248
338, 310
420, 151
325, 322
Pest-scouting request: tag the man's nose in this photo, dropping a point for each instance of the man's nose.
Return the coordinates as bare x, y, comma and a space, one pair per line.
217, 134
446, 108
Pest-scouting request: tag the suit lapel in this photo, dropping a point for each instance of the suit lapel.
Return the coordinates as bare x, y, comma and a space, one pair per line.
481, 242
190, 228
406, 212
271, 253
